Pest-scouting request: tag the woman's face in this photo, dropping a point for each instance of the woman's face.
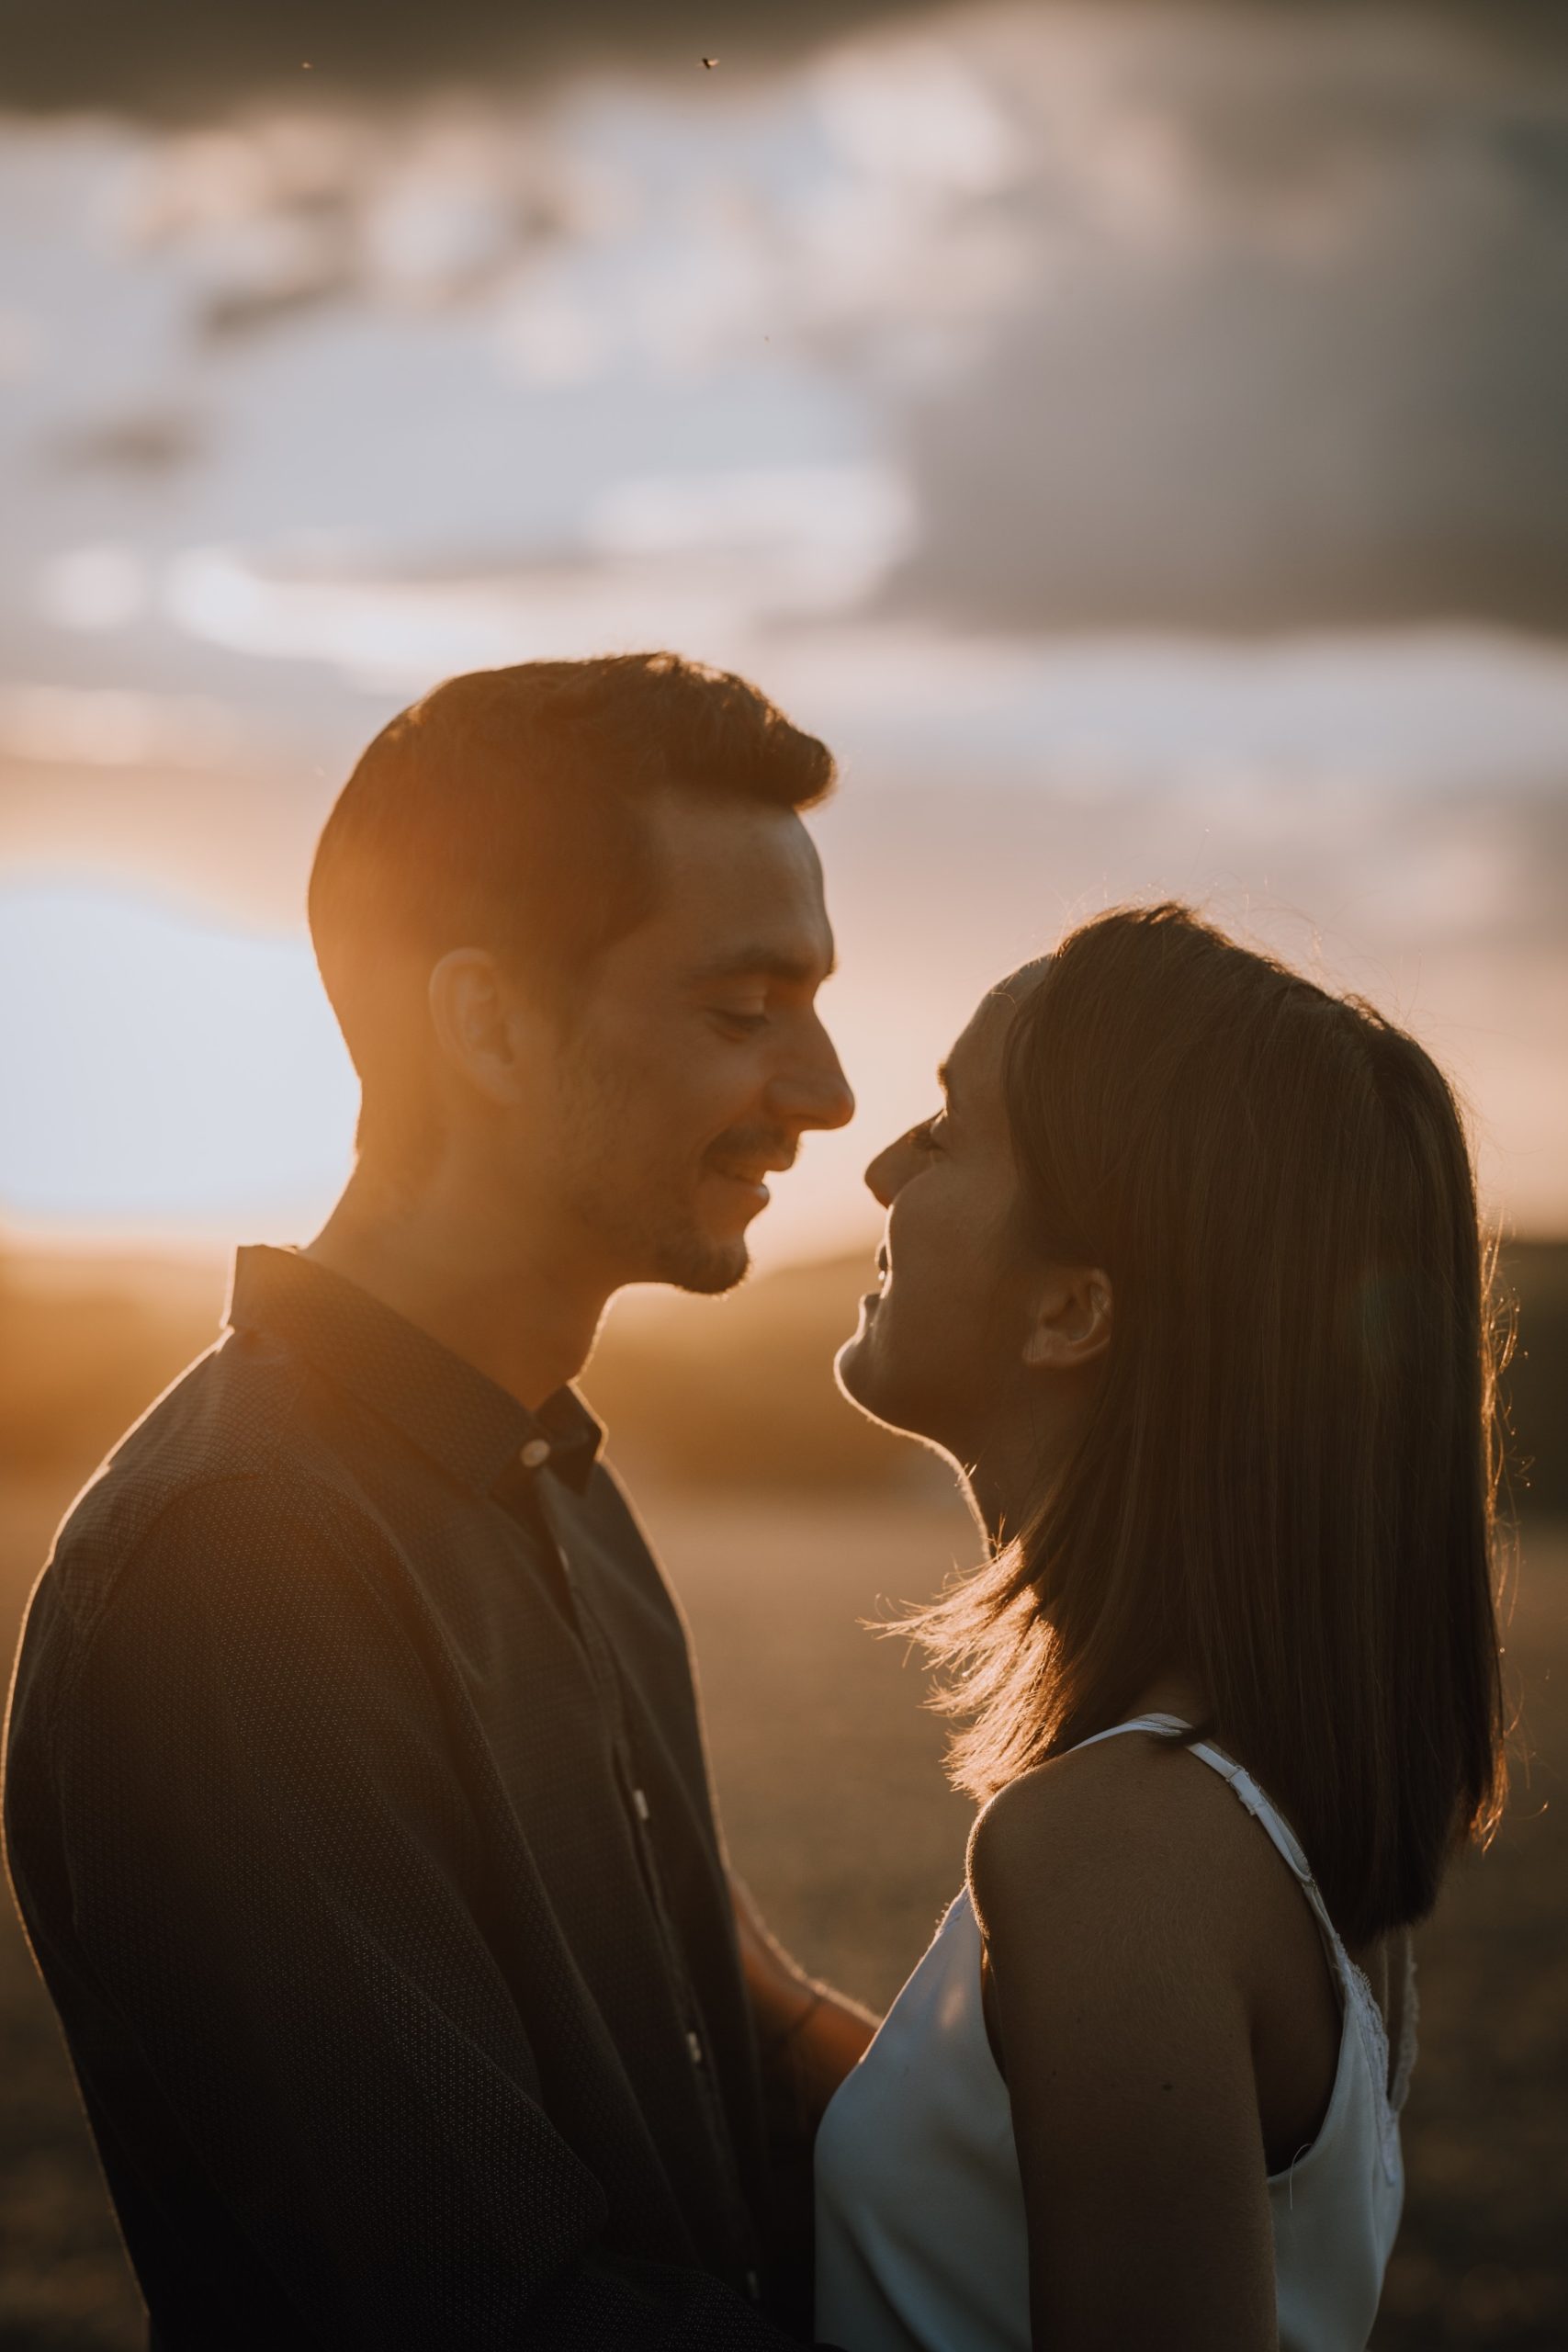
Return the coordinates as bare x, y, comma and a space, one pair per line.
940, 1347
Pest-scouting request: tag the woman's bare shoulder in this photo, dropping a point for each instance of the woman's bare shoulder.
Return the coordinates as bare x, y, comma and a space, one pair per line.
1131, 1831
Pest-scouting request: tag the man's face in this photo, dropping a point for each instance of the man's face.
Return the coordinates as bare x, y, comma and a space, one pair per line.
697, 1060
938, 1347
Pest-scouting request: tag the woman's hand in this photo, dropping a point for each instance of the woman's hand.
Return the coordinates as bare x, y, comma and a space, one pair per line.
809, 2037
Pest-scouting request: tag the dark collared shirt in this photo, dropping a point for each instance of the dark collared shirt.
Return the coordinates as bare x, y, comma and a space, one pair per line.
357, 1809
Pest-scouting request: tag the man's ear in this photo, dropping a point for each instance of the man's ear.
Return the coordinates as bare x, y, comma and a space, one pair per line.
1070, 1327
484, 1033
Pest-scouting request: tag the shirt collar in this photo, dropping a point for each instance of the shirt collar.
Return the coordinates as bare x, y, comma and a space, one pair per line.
463, 1420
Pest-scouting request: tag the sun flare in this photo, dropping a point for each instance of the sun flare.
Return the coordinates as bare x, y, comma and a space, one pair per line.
163, 1073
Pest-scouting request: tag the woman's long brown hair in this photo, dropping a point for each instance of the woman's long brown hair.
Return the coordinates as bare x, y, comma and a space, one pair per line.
1286, 1485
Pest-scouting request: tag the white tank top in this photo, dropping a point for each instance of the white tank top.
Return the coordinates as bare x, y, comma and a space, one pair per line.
922, 2242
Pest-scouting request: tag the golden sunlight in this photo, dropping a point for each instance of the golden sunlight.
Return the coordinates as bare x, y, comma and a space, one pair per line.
161, 1073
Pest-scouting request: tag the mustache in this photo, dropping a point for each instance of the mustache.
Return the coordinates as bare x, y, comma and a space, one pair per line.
755, 1144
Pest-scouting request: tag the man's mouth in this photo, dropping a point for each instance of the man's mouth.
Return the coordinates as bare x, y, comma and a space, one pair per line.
751, 1174
752, 1184
754, 1167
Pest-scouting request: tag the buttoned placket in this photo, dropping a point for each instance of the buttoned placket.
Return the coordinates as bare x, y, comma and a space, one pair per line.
606, 1676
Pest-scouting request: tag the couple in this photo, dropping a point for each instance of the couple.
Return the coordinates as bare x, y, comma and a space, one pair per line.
356, 1802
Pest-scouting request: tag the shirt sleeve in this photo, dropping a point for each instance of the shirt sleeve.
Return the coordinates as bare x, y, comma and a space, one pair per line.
277, 1879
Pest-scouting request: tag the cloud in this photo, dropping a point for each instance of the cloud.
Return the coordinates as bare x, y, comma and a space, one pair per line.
149, 444
1295, 350
183, 61
711, 560
1246, 450
173, 60
102, 586
108, 727
1217, 317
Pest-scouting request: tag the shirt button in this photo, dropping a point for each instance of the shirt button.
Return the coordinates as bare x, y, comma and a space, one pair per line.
536, 1454
644, 1809
695, 2044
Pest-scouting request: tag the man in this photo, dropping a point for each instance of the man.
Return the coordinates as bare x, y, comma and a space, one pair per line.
356, 1803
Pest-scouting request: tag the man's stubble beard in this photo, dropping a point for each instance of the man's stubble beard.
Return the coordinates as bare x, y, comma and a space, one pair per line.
654, 1242
705, 1267
627, 1224
667, 1247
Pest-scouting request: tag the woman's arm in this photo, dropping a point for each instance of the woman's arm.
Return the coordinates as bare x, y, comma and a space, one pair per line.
809, 2036
1118, 2002
808, 2039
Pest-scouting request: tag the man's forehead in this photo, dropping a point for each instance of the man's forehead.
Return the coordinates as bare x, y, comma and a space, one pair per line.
742, 893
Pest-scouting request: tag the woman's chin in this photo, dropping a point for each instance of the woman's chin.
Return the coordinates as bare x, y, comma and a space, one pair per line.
865, 1374
851, 1369
861, 1371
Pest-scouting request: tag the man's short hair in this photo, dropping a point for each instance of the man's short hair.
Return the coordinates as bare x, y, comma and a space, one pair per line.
509, 809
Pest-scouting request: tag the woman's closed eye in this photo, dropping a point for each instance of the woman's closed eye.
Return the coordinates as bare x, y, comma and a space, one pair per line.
738, 1024
928, 1137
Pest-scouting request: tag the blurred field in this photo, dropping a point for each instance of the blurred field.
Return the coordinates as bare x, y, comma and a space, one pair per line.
835, 1808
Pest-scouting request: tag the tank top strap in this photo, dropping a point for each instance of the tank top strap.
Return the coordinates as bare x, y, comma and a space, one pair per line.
1387, 2082
1266, 1814
1134, 1723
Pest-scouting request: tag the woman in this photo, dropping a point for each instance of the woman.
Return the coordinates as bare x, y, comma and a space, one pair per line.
1186, 1276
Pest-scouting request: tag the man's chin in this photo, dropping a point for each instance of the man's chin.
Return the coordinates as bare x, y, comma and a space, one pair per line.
706, 1267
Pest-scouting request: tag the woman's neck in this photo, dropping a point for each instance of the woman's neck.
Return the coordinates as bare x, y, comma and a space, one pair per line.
1172, 1692
1029, 1430
1014, 1468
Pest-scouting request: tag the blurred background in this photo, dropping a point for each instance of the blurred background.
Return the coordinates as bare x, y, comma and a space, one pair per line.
1132, 435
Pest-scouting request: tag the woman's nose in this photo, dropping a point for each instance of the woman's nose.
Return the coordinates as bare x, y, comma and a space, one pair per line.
884, 1177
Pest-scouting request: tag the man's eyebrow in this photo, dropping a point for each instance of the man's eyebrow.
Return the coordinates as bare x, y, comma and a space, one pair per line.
944, 1078
763, 962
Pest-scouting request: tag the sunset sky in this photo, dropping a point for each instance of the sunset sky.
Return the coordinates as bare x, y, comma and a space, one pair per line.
1133, 436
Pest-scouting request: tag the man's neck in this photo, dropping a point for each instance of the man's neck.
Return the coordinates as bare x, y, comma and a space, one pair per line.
512, 1305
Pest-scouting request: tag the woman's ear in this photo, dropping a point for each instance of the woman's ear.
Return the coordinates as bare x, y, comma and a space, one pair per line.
1070, 1327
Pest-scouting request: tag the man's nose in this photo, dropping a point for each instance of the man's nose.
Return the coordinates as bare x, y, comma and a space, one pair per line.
817, 1092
